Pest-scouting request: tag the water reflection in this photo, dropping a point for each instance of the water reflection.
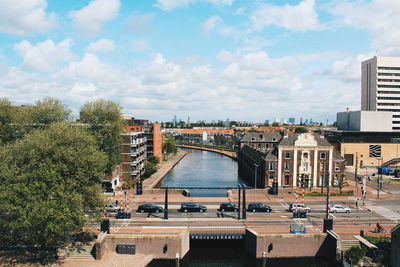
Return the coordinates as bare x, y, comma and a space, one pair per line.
204, 169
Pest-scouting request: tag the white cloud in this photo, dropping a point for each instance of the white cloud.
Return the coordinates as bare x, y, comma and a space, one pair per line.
92, 18
101, 45
90, 67
348, 69
215, 23
168, 5
139, 23
25, 17
45, 56
301, 17
140, 45
379, 17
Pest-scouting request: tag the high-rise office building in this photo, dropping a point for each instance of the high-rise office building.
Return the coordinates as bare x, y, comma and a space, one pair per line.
380, 87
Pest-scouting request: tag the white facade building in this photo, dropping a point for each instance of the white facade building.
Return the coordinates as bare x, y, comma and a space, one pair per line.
380, 87
364, 121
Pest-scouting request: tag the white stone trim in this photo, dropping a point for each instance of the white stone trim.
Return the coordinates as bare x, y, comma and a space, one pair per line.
279, 166
294, 183
315, 173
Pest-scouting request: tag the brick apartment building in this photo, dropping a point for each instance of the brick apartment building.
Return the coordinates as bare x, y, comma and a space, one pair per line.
293, 161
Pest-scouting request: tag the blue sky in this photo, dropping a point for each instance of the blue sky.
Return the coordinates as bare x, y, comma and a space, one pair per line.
207, 59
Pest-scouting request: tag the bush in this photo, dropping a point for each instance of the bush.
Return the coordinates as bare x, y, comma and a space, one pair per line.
355, 254
318, 194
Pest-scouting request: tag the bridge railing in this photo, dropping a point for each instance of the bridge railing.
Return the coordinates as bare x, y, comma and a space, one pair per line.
226, 148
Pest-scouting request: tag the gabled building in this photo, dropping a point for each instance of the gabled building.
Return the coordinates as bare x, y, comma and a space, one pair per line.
296, 160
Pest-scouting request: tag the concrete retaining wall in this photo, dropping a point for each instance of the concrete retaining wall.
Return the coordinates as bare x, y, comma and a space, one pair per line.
290, 245
161, 246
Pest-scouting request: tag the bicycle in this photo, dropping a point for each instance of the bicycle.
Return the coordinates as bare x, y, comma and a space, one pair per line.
379, 230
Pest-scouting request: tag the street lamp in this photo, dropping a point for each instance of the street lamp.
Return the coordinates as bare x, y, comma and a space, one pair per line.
255, 180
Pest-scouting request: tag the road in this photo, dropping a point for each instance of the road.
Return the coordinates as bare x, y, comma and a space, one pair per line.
278, 221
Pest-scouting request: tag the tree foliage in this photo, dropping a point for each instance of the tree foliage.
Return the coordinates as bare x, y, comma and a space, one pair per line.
49, 110
106, 124
49, 180
300, 130
7, 131
169, 145
355, 254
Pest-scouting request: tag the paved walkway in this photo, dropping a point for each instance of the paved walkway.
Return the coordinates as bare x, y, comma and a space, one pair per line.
112, 260
385, 212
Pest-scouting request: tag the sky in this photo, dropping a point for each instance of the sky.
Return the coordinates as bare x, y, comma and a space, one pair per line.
207, 59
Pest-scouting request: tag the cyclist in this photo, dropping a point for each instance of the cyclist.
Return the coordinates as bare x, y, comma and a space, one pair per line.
379, 227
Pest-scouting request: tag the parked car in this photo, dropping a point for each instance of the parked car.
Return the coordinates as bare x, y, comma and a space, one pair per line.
149, 208
339, 208
228, 207
191, 206
112, 207
294, 207
255, 207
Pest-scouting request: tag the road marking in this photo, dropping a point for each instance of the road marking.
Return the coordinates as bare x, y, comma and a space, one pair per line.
330, 214
284, 205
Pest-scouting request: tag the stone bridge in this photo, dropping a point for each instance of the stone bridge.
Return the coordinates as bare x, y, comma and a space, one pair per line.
230, 154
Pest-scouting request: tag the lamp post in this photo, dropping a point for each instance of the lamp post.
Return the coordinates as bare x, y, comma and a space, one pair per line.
255, 180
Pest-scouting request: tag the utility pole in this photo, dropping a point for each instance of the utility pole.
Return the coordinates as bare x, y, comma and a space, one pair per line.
255, 180
356, 173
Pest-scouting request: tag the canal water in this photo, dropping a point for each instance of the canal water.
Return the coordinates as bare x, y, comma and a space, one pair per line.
230, 253
204, 169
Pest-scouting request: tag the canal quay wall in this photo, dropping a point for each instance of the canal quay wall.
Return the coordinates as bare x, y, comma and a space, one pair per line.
316, 245
166, 244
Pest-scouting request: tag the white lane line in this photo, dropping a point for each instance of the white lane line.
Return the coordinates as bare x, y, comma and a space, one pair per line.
330, 214
284, 205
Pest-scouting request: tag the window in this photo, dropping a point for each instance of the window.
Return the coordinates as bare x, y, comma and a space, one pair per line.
271, 166
287, 166
305, 155
287, 155
375, 151
322, 167
253, 139
323, 155
337, 167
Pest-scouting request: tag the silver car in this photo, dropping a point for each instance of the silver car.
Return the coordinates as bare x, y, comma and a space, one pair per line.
339, 208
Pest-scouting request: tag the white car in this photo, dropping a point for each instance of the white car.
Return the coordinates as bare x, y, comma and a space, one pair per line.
294, 207
339, 208
112, 208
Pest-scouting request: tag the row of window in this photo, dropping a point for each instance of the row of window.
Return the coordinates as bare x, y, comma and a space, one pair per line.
388, 68
388, 80
322, 155
388, 86
388, 98
388, 104
392, 110
388, 74
388, 92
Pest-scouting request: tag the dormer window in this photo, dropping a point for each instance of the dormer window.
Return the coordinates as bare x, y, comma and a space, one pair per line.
253, 139
323, 155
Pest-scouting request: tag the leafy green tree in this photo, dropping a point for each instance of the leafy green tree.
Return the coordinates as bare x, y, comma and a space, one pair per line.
106, 124
275, 124
153, 159
355, 254
49, 180
341, 182
300, 130
169, 145
49, 110
150, 168
7, 130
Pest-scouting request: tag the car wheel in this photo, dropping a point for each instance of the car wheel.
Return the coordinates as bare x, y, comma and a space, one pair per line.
222, 210
185, 210
157, 211
347, 211
334, 211
269, 210
308, 211
141, 211
201, 210
254, 210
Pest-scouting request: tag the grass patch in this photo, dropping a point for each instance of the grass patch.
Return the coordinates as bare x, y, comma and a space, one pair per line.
376, 240
318, 194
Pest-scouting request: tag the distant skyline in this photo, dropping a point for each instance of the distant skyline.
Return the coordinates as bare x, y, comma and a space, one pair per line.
207, 59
